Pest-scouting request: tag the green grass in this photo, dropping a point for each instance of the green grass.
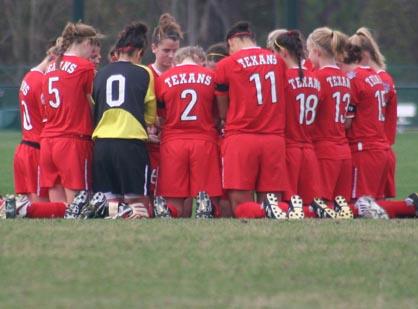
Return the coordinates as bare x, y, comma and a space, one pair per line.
208, 264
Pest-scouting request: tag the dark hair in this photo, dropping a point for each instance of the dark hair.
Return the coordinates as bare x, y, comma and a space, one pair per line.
217, 52
292, 41
167, 28
240, 29
352, 53
133, 37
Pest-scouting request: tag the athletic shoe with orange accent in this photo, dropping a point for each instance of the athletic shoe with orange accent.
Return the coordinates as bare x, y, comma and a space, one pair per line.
272, 209
295, 210
342, 209
322, 210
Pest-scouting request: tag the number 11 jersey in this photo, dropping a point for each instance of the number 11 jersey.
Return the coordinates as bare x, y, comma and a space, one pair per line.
254, 80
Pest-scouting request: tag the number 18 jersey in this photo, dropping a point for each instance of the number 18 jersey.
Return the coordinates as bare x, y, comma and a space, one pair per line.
254, 80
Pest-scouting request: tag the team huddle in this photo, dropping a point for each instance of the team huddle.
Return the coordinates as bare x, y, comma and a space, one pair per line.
301, 128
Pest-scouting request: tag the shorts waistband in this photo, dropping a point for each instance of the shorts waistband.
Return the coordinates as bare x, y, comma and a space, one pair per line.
31, 144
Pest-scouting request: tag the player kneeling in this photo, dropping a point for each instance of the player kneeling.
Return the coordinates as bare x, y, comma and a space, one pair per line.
189, 156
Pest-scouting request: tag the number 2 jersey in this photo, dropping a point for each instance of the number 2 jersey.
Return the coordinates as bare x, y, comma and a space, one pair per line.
31, 108
187, 93
65, 91
328, 134
254, 79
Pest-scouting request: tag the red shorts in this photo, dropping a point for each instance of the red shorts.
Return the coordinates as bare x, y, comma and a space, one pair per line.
27, 171
187, 167
254, 162
303, 170
370, 173
154, 159
336, 178
390, 188
66, 161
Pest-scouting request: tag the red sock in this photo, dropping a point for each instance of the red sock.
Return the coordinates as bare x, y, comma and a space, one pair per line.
397, 209
217, 211
249, 210
308, 211
46, 210
173, 210
354, 210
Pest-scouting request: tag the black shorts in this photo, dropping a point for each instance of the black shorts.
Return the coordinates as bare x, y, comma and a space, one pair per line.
121, 166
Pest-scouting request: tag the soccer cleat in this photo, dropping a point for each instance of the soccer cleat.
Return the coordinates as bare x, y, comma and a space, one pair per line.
2, 208
412, 200
123, 211
271, 207
295, 210
204, 209
80, 201
322, 210
160, 208
368, 208
96, 208
8, 210
342, 209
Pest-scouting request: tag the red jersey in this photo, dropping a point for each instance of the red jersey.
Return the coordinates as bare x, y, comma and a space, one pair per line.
328, 132
65, 92
391, 101
368, 99
31, 108
302, 96
254, 79
187, 92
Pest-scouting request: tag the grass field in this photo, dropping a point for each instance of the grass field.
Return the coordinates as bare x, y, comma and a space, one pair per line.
210, 264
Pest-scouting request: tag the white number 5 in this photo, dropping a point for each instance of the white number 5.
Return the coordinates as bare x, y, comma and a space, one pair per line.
54, 91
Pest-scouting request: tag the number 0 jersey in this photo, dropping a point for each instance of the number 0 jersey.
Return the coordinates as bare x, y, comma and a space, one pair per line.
65, 91
254, 79
124, 101
31, 107
187, 92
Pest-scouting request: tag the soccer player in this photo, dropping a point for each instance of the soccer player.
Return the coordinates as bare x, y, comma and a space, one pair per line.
66, 144
331, 146
166, 39
215, 53
250, 93
125, 106
26, 158
189, 158
302, 95
366, 133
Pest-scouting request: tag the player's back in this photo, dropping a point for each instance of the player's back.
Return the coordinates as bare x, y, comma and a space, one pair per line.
391, 100
333, 104
187, 93
368, 97
302, 96
254, 79
65, 91
121, 90
31, 107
